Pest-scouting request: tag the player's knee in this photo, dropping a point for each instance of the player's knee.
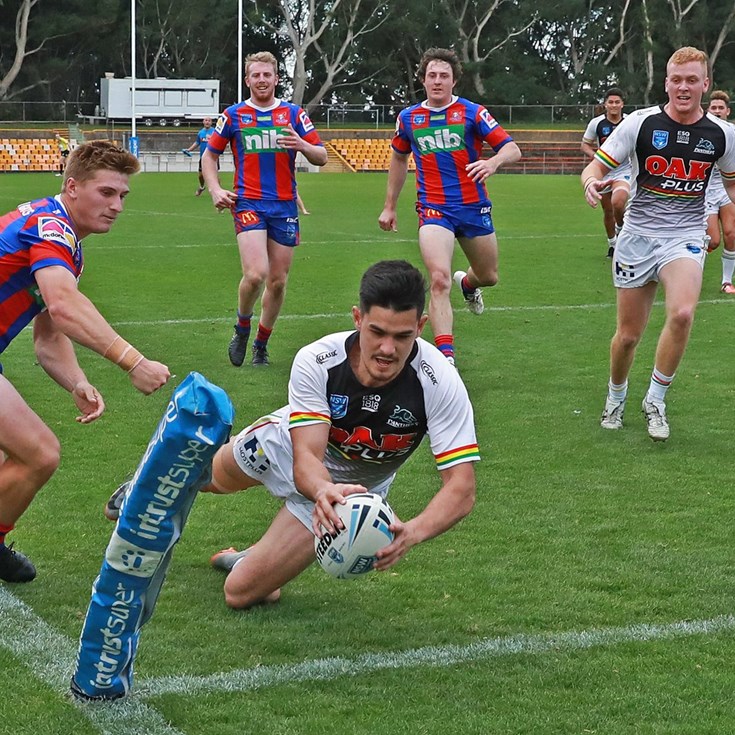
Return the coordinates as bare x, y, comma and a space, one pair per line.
44, 460
240, 598
441, 282
627, 339
682, 317
253, 279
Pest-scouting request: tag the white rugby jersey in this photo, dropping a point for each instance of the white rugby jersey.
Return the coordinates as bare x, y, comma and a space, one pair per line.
672, 164
373, 430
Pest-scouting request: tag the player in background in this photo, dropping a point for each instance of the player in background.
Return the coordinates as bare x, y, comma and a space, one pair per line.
359, 404
673, 149
201, 141
615, 195
446, 133
40, 262
265, 134
63, 144
719, 209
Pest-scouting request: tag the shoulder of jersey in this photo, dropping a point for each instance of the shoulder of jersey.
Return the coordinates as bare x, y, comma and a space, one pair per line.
327, 350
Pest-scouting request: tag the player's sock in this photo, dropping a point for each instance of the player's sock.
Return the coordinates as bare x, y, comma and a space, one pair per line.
617, 392
261, 338
728, 265
445, 342
611, 241
4, 531
466, 287
243, 322
660, 383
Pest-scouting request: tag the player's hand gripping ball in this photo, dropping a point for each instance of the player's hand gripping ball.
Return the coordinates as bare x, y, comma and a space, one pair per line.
351, 551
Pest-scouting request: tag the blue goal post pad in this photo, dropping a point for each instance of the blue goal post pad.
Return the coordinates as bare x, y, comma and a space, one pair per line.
177, 463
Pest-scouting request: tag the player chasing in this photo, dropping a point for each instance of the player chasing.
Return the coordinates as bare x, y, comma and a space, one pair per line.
201, 141
446, 133
265, 134
719, 210
673, 149
614, 196
40, 262
359, 404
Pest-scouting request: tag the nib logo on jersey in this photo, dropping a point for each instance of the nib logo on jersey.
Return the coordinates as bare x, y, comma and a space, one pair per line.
443, 139
261, 140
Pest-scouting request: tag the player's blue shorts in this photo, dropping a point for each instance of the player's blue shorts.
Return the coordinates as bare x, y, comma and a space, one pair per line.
464, 220
279, 219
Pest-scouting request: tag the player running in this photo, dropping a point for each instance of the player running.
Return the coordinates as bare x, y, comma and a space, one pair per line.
718, 208
673, 149
446, 133
265, 134
613, 197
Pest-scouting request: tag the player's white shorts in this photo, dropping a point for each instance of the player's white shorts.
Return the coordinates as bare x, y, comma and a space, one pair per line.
621, 173
638, 259
261, 452
715, 199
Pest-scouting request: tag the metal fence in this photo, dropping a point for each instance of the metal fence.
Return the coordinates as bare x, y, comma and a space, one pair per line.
327, 116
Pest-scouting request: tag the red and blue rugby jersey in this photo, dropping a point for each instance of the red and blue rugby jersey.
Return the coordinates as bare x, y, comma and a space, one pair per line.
36, 235
262, 169
443, 142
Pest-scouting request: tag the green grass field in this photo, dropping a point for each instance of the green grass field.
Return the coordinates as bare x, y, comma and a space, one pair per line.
590, 591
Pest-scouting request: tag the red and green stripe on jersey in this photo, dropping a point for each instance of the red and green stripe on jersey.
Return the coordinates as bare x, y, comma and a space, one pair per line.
468, 453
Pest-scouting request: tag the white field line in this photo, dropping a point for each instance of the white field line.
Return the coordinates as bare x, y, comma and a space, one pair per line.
52, 656
393, 240
435, 656
347, 316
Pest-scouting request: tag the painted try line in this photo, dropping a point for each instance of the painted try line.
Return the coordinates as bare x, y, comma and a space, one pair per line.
346, 315
51, 656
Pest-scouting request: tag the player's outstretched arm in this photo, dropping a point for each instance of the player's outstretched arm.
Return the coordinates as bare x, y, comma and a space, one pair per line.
56, 356
77, 317
454, 501
591, 179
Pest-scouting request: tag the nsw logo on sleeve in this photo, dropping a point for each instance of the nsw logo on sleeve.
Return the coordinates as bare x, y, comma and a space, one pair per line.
52, 228
305, 121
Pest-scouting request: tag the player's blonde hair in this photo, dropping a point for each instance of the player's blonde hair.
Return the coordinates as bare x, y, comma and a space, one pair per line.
686, 54
262, 57
85, 160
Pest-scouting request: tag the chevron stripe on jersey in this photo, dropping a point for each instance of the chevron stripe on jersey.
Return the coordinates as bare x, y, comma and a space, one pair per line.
36, 235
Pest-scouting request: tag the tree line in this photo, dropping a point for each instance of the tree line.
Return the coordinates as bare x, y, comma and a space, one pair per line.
352, 51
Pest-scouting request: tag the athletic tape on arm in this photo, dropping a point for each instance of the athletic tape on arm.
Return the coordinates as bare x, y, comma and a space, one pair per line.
177, 462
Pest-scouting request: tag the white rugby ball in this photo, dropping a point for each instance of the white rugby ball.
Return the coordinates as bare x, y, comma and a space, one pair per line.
351, 551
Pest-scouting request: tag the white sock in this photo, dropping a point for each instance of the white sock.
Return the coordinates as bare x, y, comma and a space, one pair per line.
617, 393
660, 383
728, 265
611, 241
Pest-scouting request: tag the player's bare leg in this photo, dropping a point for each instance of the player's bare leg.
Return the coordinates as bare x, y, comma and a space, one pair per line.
608, 220
30, 456
280, 258
633, 311
437, 247
726, 218
284, 551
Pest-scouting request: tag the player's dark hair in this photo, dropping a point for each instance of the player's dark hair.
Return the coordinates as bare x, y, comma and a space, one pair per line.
86, 159
440, 54
614, 92
718, 94
393, 284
